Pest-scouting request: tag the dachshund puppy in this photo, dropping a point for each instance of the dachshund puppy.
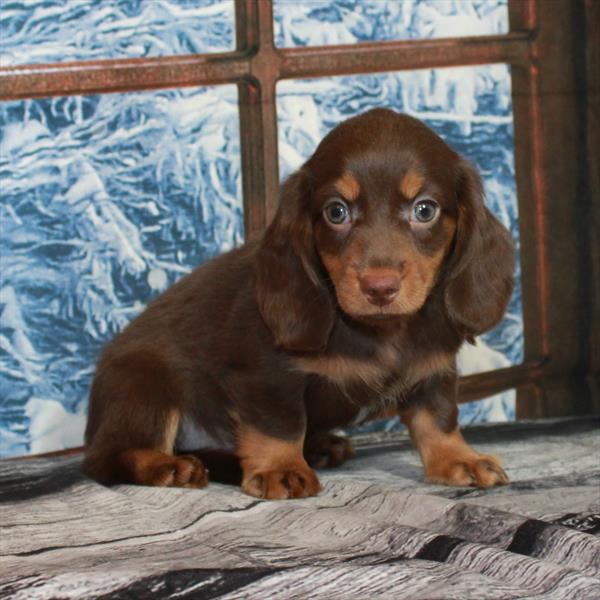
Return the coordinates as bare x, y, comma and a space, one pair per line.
381, 261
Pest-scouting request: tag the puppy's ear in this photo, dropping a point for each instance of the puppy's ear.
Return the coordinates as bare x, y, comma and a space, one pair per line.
292, 297
479, 278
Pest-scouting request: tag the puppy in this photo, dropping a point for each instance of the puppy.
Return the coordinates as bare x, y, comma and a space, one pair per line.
381, 261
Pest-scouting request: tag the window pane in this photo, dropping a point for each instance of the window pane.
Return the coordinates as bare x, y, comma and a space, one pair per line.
46, 31
323, 22
470, 107
105, 201
498, 408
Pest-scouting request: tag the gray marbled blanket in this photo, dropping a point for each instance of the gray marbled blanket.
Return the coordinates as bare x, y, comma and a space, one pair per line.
376, 530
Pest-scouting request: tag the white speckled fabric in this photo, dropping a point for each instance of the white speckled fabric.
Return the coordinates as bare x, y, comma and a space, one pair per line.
375, 531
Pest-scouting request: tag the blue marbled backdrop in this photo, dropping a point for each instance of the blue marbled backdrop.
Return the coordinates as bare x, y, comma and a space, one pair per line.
106, 200
46, 31
323, 22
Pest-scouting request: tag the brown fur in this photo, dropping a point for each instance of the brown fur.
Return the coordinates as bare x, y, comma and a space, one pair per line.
342, 370
270, 346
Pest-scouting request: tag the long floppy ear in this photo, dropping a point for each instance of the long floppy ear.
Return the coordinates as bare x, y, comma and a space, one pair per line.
292, 298
479, 279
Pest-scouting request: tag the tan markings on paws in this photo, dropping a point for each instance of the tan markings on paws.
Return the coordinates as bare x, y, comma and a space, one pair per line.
273, 468
326, 450
282, 484
150, 467
448, 459
463, 470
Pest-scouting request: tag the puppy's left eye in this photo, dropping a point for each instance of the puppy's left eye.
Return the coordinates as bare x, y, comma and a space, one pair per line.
337, 214
425, 211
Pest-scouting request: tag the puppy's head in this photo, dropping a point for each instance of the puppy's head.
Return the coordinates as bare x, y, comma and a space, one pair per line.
381, 215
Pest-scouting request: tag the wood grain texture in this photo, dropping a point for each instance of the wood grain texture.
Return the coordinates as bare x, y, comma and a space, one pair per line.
376, 531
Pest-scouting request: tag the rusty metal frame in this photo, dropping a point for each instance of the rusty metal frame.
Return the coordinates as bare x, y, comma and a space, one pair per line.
537, 55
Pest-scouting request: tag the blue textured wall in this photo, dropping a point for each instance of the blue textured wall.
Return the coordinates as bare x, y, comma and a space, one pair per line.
46, 31
106, 200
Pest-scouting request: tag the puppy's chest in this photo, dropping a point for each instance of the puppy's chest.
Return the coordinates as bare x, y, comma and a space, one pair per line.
386, 375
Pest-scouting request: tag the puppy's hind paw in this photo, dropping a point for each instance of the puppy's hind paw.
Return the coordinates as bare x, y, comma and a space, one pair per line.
149, 467
326, 450
186, 471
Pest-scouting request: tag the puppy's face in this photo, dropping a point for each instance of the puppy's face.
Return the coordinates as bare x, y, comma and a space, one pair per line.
388, 209
384, 213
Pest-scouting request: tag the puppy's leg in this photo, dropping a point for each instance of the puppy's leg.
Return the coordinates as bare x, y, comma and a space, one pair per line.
324, 450
431, 416
269, 445
132, 424
274, 468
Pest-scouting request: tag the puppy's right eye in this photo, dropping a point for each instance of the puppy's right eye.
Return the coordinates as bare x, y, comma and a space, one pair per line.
337, 214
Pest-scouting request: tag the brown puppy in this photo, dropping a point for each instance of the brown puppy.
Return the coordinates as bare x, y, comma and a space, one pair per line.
380, 262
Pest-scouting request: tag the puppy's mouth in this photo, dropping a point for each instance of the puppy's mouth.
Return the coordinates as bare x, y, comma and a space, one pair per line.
379, 317
382, 316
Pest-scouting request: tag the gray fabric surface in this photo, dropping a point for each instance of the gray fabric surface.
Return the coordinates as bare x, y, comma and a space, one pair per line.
376, 531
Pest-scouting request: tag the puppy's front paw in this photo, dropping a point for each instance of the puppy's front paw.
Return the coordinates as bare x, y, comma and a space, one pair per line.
280, 484
477, 470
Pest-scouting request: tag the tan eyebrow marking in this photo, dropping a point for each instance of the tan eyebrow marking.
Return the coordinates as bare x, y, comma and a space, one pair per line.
411, 184
348, 187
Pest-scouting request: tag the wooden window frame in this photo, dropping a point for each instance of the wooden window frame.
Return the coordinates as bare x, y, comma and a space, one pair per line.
553, 53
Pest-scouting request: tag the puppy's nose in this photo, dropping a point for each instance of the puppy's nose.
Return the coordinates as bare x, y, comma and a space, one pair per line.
381, 288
